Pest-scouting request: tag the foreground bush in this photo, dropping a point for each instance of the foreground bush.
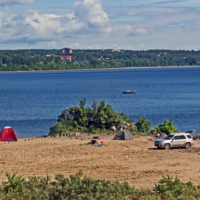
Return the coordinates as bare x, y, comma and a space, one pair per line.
85, 188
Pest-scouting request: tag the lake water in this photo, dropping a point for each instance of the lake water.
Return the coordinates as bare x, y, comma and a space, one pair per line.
30, 102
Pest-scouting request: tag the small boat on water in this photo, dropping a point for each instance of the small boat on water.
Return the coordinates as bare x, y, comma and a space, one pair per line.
129, 92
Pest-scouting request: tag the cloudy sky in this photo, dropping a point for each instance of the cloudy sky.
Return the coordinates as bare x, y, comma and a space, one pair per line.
92, 24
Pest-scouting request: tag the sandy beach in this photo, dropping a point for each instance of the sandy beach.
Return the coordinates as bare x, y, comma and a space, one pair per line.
136, 161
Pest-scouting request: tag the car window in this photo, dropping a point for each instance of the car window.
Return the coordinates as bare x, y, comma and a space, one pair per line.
189, 136
182, 137
176, 137
169, 137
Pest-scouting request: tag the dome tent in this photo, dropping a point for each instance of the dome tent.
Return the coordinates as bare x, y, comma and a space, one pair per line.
8, 134
123, 135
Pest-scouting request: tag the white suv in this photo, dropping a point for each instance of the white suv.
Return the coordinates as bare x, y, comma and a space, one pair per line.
175, 140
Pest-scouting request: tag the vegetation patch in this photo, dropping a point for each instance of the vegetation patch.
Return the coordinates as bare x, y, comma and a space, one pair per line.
85, 188
167, 127
97, 119
143, 125
100, 118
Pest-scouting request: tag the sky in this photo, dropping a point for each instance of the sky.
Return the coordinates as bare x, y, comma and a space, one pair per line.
96, 24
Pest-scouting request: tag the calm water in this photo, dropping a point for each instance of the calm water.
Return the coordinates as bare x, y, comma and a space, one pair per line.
31, 101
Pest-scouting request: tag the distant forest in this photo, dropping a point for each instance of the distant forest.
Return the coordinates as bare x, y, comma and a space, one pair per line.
39, 59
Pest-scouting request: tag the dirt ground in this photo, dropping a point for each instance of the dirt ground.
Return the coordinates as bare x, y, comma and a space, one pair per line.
136, 161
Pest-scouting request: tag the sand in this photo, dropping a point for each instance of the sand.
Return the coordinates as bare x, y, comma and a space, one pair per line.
136, 161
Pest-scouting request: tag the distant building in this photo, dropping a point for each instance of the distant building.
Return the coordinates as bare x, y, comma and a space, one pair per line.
67, 50
66, 58
116, 50
101, 58
163, 53
51, 55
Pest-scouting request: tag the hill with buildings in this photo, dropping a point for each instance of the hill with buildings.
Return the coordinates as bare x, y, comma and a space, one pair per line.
63, 59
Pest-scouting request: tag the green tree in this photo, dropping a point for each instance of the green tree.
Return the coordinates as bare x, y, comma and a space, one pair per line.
167, 127
126, 119
103, 116
82, 102
143, 125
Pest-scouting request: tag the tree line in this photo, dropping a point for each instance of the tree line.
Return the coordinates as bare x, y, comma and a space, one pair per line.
37, 59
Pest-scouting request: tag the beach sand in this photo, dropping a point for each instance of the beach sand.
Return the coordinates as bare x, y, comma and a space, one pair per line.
136, 161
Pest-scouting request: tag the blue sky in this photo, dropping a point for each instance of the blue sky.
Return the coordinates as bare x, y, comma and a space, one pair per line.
93, 24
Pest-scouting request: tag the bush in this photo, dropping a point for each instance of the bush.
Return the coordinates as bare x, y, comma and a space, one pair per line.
126, 119
167, 127
143, 125
167, 187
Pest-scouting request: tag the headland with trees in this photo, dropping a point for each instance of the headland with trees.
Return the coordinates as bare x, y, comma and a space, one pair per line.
101, 118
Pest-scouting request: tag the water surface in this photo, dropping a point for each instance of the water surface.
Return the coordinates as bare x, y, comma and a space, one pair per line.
30, 102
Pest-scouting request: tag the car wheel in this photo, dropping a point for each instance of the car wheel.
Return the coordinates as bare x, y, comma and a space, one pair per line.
167, 146
187, 145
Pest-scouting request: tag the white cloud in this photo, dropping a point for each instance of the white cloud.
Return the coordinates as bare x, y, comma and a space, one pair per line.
70, 16
88, 24
31, 26
13, 2
91, 12
76, 44
141, 31
51, 44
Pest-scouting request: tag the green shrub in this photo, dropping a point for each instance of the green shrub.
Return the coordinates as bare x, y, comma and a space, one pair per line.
167, 127
173, 188
14, 183
143, 125
126, 119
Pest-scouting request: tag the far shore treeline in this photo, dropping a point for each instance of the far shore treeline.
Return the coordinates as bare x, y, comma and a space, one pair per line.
41, 59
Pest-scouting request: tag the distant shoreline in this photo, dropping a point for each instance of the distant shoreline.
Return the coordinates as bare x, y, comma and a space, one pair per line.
99, 69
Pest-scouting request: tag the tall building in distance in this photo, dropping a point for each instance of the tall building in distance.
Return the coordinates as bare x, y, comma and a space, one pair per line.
67, 50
